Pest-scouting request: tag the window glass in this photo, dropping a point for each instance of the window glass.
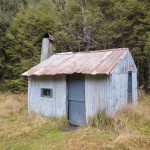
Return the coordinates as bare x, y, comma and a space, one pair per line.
46, 92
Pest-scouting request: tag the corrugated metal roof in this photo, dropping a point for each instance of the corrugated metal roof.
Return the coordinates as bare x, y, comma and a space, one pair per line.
87, 62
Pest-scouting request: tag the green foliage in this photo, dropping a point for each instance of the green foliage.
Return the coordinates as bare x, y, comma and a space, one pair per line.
16, 85
77, 25
8, 9
24, 40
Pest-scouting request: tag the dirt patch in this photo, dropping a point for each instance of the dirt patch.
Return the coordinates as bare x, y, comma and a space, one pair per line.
68, 128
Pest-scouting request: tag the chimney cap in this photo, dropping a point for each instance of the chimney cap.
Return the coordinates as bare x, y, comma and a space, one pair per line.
49, 36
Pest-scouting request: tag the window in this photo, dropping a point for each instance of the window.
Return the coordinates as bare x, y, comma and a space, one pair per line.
46, 92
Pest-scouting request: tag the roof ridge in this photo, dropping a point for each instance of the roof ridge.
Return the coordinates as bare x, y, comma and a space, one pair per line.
91, 51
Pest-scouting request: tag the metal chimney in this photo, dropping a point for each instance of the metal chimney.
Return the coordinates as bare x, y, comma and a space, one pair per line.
47, 46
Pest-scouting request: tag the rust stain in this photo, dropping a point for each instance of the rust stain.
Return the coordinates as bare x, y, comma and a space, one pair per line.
87, 62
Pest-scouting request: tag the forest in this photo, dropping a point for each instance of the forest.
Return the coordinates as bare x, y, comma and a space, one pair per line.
77, 25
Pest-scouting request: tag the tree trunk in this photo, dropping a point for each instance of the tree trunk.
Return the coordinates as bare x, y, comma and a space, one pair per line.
86, 35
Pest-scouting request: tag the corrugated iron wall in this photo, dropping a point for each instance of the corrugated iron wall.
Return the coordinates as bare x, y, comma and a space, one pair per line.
111, 92
53, 107
98, 94
120, 78
125, 64
108, 92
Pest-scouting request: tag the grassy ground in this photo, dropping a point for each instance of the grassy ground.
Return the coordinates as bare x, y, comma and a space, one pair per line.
129, 129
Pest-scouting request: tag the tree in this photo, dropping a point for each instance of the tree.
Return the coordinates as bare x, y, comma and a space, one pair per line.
8, 9
24, 41
77, 25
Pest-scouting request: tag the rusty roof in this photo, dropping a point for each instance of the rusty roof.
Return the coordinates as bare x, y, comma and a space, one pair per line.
87, 62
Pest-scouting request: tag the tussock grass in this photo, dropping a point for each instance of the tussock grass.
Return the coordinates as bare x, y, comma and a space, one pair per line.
10, 103
130, 125
102, 120
128, 129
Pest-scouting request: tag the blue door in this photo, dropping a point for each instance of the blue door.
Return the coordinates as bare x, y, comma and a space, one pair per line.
76, 99
130, 87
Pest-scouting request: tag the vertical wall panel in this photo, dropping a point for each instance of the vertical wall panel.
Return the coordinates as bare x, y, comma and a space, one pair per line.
29, 92
120, 90
111, 92
60, 95
134, 88
97, 94
44, 105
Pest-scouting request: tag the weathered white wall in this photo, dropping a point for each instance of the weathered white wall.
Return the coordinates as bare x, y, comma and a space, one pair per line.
111, 92
134, 88
52, 107
120, 77
98, 94
125, 64
119, 90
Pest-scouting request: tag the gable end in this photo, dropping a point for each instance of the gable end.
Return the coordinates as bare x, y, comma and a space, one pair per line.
125, 64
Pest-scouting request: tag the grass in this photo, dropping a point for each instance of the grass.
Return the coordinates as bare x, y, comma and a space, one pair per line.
128, 129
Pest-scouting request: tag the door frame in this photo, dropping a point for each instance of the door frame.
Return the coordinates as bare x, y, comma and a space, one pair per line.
130, 88
67, 103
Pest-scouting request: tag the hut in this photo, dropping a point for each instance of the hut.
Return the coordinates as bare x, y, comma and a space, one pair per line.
79, 84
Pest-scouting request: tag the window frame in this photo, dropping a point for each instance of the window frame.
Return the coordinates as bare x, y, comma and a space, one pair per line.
47, 96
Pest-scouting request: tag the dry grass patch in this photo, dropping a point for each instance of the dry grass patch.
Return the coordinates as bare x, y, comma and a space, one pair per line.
128, 129
131, 125
15, 122
10, 103
130, 141
87, 138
